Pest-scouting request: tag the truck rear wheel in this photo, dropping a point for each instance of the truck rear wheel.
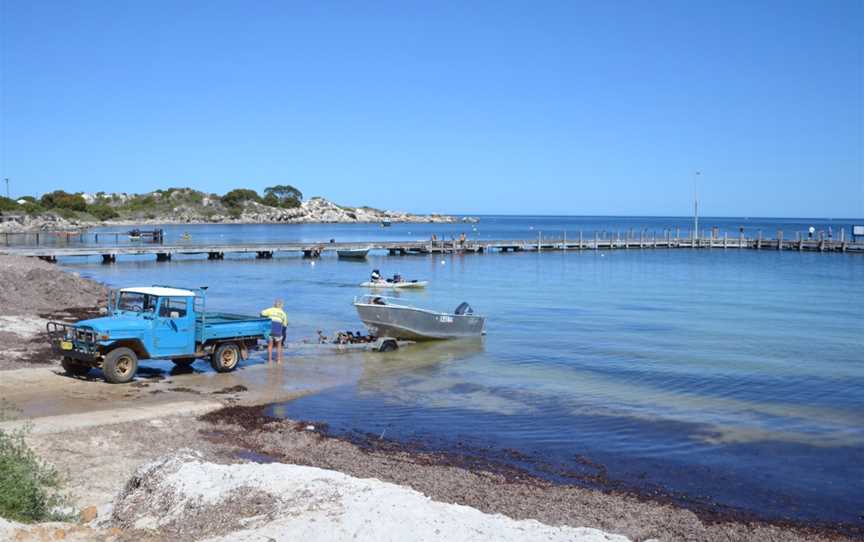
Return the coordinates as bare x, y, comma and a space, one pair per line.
120, 365
225, 358
74, 368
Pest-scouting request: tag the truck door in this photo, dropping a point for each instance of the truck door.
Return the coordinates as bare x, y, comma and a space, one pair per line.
175, 327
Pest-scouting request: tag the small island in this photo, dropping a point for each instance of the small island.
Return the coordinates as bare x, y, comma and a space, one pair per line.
280, 204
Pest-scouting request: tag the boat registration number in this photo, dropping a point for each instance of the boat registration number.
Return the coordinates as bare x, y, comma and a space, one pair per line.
446, 319
66, 345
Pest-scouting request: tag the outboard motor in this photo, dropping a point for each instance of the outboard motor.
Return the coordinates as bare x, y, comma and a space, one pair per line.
463, 309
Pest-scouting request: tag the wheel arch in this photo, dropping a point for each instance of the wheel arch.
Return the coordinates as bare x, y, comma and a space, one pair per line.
132, 344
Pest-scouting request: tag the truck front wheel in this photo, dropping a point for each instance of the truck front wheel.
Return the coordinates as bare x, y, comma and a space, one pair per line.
120, 365
73, 367
225, 358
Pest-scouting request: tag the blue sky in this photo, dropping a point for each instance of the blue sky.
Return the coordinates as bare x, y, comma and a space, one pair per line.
569, 107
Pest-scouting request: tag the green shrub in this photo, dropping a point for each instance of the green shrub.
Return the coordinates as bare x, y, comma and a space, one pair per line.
65, 212
32, 208
59, 199
102, 211
7, 204
29, 487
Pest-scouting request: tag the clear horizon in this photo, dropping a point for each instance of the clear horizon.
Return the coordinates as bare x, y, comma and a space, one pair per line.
557, 109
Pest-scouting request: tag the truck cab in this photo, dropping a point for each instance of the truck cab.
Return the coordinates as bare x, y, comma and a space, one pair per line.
155, 322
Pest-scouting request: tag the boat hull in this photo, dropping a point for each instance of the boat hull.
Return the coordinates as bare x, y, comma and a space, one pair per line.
396, 285
353, 254
418, 324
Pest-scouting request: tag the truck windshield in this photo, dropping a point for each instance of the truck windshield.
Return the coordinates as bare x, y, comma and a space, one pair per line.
136, 302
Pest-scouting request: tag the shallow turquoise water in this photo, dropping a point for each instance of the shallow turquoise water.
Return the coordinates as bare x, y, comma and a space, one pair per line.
736, 376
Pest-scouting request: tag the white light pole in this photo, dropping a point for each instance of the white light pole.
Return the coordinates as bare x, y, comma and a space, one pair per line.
7, 187
696, 206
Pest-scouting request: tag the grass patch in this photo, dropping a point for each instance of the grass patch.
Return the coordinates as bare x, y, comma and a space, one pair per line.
29, 487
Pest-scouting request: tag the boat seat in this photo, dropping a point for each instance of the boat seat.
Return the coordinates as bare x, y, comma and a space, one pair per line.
463, 308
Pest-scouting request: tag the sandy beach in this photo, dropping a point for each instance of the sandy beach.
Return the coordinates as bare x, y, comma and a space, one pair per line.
168, 427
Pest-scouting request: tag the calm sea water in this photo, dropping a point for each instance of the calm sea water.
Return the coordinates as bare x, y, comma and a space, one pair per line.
736, 376
490, 227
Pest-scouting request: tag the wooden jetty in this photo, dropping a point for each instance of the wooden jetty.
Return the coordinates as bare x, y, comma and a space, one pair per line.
594, 241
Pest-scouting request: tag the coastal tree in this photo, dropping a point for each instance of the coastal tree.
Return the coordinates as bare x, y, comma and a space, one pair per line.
282, 195
239, 196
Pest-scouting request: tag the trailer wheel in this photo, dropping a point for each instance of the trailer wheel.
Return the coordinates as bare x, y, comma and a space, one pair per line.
388, 346
73, 367
120, 365
225, 358
183, 362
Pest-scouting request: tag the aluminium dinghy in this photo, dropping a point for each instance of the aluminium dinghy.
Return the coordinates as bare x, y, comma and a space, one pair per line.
395, 285
353, 253
386, 317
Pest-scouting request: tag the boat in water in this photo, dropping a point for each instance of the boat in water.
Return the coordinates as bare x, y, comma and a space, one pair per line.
394, 284
385, 317
353, 253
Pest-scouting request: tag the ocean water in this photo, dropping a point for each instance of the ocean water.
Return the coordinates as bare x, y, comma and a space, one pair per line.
490, 227
734, 377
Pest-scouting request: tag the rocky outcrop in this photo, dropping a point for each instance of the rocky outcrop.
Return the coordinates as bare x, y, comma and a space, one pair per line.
209, 210
44, 222
314, 210
322, 210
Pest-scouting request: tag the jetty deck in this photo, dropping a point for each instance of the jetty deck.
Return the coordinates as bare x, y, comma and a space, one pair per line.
164, 252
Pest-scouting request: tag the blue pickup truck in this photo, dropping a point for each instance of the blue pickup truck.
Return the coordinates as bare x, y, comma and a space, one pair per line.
156, 322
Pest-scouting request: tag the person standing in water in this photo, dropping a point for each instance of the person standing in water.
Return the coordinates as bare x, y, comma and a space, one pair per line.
278, 328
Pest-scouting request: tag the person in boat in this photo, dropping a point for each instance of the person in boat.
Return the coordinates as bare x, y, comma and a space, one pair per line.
397, 278
376, 276
278, 329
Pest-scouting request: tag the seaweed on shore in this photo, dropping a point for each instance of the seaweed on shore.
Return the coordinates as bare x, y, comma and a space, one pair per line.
528, 471
250, 418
